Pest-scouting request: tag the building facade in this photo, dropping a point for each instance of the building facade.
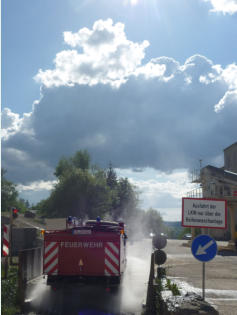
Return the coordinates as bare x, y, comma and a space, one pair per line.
217, 183
230, 158
221, 183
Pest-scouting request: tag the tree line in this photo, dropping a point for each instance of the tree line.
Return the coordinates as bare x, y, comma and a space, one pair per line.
10, 196
86, 191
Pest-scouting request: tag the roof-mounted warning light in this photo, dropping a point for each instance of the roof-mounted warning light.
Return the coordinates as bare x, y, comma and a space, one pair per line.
72, 222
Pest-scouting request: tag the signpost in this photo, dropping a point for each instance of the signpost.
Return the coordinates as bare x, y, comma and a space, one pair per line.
204, 213
204, 248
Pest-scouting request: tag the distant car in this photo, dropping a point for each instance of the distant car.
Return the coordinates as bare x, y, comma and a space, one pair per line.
187, 236
29, 214
164, 234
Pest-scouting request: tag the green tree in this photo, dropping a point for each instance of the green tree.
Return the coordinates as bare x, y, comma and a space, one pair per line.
9, 193
127, 201
22, 204
111, 177
85, 190
81, 191
64, 166
81, 160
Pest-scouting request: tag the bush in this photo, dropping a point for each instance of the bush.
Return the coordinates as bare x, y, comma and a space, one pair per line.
9, 292
172, 287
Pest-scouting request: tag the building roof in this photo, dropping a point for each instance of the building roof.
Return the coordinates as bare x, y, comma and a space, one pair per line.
222, 172
232, 145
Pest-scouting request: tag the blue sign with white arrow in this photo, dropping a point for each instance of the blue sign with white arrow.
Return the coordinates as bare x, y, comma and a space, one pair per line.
204, 248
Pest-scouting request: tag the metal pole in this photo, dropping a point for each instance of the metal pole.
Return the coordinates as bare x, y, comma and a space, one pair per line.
5, 267
21, 280
203, 281
150, 302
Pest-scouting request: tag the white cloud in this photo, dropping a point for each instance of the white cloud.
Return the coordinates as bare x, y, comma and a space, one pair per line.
108, 57
163, 115
229, 98
161, 191
12, 124
37, 185
151, 70
155, 182
229, 75
223, 6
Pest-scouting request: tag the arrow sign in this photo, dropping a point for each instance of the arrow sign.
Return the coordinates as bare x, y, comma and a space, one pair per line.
204, 248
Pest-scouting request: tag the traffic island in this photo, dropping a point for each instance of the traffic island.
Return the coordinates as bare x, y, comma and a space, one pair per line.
164, 298
228, 250
189, 304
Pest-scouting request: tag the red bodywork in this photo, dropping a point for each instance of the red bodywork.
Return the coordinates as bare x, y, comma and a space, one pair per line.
93, 250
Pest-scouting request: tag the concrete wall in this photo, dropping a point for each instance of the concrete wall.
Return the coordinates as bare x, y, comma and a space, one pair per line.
31, 263
22, 238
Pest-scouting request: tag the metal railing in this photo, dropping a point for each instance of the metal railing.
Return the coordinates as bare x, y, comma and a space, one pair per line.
195, 193
195, 176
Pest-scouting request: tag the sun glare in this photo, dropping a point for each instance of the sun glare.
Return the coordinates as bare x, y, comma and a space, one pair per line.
130, 2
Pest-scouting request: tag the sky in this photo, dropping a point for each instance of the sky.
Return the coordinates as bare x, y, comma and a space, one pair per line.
150, 86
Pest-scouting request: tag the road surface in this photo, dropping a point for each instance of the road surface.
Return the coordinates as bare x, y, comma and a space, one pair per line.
221, 276
94, 299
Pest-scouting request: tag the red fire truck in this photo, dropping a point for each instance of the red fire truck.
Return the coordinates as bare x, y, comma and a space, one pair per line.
93, 250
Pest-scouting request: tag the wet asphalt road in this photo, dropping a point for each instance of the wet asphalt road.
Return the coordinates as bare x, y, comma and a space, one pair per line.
96, 299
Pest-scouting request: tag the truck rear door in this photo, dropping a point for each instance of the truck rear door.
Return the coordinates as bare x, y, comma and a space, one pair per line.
95, 254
